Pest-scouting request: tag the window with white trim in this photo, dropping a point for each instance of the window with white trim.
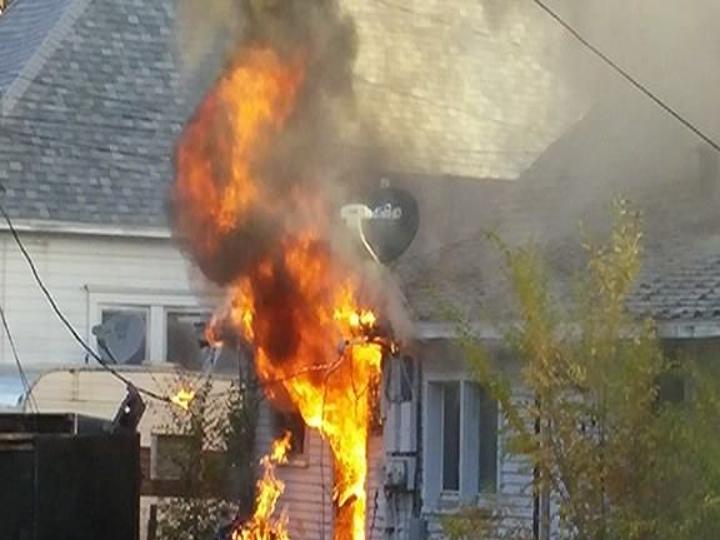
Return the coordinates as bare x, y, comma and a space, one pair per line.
461, 442
173, 323
292, 422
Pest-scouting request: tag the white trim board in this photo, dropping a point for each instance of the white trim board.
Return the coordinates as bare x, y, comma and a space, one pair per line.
74, 228
700, 329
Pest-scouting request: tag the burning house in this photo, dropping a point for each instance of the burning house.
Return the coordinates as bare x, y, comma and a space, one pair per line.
310, 104
262, 168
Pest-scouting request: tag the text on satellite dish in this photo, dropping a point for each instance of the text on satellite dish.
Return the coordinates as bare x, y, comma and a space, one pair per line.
387, 211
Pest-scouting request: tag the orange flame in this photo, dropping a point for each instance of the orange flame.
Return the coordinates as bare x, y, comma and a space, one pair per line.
328, 378
293, 300
262, 525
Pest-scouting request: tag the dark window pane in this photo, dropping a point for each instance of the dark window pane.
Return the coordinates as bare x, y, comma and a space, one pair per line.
171, 458
670, 387
184, 333
451, 437
487, 466
292, 422
123, 336
186, 345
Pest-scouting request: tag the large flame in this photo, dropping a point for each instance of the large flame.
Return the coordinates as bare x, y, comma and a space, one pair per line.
297, 303
264, 525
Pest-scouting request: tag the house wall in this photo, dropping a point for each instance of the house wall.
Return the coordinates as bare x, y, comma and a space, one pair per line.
84, 273
309, 484
441, 362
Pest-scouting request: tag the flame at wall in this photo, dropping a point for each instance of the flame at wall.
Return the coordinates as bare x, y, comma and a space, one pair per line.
264, 525
262, 229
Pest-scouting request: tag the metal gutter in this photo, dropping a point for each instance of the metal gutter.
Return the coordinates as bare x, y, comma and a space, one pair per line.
691, 329
76, 228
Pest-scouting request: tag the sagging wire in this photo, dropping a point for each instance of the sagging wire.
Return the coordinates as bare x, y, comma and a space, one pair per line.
626, 75
64, 320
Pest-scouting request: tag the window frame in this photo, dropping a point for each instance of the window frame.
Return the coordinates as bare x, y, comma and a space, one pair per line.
157, 300
294, 459
470, 492
277, 430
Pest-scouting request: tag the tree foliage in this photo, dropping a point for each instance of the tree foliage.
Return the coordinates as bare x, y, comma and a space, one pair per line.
618, 461
215, 463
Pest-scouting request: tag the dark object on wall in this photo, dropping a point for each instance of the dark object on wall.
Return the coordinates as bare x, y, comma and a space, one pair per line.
394, 222
130, 411
67, 477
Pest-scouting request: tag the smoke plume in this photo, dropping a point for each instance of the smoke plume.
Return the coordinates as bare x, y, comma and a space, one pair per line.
302, 156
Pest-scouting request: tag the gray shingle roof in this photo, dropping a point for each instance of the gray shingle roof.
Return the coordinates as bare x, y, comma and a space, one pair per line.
90, 138
638, 154
679, 280
30, 23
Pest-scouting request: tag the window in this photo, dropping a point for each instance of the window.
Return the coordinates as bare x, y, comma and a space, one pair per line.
293, 422
186, 345
122, 334
670, 387
184, 334
172, 319
169, 455
461, 442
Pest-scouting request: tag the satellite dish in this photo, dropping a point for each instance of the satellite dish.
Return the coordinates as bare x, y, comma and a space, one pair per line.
392, 223
122, 337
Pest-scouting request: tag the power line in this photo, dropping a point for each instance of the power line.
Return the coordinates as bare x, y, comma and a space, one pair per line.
625, 75
64, 319
18, 363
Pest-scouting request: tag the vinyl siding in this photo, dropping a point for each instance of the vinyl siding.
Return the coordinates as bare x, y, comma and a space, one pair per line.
81, 271
309, 483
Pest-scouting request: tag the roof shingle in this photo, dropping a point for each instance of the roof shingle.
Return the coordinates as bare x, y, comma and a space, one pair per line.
90, 138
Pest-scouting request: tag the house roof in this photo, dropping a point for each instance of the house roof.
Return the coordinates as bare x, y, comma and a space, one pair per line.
31, 24
92, 100
639, 155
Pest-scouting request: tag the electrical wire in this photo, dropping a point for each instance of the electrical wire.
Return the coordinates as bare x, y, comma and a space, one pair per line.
68, 325
23, 377
625, 75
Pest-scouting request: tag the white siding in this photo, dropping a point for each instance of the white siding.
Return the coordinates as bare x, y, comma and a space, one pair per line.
80, 272
309, 483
